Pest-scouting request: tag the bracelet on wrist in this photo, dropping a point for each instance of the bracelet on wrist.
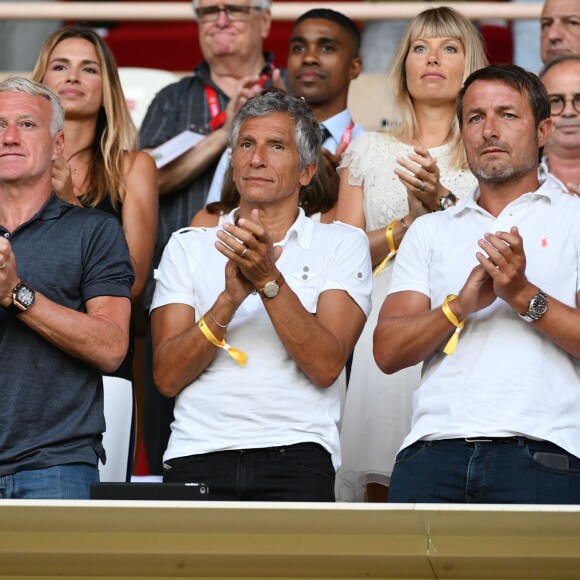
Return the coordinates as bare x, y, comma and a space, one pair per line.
239, 356
452, 342
214, 319
392, 249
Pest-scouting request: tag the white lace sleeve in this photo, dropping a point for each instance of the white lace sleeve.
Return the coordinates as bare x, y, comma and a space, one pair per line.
355, 159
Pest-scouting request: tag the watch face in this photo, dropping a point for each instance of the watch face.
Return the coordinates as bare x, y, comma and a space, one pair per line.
23, 297
538, 306
270, 290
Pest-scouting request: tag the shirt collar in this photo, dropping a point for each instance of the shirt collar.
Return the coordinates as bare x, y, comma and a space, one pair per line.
338, 124
53, 208
301, 229
550, 189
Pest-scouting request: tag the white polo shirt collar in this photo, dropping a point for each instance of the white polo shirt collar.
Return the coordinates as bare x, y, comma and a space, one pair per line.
301, 229
550, 189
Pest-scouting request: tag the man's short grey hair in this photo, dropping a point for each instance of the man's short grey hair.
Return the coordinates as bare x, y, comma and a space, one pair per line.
28, 87
262, 4
306, 128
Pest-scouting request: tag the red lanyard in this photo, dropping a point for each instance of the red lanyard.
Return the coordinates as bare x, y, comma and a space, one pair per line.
347, 135
218, 117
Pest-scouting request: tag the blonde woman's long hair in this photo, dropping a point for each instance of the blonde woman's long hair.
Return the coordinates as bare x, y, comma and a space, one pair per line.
442, 22
116, 133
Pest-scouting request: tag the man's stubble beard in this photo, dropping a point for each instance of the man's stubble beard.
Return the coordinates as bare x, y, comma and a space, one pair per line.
498, 173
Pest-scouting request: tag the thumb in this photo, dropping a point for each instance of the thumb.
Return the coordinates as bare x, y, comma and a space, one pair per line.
277, 252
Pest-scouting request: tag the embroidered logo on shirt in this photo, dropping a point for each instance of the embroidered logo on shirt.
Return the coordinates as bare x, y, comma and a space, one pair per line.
544, 243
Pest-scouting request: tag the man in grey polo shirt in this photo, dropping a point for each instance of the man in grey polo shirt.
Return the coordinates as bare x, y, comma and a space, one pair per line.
65, 286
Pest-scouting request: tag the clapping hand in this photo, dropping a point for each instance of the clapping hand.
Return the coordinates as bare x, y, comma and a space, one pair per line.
421, 177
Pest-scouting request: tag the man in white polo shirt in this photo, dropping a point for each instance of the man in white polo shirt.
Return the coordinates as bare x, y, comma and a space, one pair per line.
486, 293
257, 420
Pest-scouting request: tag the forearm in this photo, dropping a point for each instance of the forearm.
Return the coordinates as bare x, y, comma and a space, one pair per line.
179, 359
378, 243
560, 323
193, 163
404, 341
314, 349
90, 337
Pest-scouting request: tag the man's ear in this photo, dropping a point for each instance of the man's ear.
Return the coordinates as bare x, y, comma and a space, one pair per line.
266, 23
355, 68
307, 174
544, 131
58, 145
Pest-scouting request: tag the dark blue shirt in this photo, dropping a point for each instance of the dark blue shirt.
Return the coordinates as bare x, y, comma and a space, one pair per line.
51, 403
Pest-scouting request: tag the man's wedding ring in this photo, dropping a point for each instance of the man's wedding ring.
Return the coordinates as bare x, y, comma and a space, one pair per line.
244, 252
422, 186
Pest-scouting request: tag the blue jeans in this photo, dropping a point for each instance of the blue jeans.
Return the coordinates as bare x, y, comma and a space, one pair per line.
301, 472
479, 470
69, 481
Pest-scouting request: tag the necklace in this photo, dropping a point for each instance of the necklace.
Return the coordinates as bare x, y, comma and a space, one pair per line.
75, 170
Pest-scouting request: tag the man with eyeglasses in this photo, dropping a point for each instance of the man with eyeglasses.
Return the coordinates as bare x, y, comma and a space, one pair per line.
323, 59
560, 26
561, 77
231, 34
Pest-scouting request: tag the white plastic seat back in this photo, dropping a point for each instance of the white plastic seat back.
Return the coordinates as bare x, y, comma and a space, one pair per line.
117, 439
140, 85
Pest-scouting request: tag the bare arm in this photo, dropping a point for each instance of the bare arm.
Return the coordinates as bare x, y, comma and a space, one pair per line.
99, 337
350, 210
140, 201
204, 219
410, 329
180, 350
319, 345
189, 166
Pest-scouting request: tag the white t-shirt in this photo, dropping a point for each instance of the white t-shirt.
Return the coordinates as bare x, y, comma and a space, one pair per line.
505, 378
269, 402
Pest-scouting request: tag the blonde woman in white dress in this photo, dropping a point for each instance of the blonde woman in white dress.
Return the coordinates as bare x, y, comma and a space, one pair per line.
387, 181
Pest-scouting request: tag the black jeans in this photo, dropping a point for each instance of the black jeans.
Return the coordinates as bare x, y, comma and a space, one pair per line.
301, 472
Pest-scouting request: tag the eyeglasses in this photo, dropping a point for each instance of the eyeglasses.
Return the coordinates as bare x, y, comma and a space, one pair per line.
558, 103
233, 12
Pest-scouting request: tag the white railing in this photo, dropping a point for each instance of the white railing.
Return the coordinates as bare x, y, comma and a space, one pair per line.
144, 11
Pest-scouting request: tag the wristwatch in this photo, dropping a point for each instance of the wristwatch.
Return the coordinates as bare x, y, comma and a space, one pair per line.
447, 201
537, 308
22, 298
271, 288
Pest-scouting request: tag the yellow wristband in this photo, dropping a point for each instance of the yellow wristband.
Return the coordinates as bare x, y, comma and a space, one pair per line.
392, 249
452, 342
240, 357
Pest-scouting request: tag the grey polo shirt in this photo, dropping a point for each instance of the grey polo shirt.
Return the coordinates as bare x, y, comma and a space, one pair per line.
51, 404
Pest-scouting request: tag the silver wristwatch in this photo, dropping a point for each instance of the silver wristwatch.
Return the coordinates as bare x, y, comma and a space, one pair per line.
537, 308
447, 201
